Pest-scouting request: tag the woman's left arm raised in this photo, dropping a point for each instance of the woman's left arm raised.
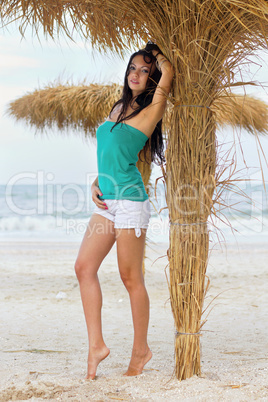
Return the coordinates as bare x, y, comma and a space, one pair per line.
156, 109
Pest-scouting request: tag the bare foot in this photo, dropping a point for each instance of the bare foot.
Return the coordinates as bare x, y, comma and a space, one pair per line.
137, 363
95, 356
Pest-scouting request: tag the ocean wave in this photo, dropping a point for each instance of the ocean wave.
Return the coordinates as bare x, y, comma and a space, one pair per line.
64, 214
254, 229
26, 223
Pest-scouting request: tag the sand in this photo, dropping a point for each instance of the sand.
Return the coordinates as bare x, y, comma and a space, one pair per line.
44, 341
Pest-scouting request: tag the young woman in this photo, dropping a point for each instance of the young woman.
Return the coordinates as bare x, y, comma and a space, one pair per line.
122, 209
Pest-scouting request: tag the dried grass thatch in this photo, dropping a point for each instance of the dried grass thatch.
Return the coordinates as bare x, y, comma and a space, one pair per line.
107, 24
206, 41
86, 106
242, 111
77, 106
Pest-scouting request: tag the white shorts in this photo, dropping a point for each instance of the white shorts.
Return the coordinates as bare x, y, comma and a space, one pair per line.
127, 214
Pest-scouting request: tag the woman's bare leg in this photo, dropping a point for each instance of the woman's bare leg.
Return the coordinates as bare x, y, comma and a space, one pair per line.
97, 242
130, 251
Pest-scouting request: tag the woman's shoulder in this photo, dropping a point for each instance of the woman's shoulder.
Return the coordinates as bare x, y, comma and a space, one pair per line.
115, 113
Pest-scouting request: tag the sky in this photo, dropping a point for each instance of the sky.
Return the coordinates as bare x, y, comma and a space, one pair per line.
27, 64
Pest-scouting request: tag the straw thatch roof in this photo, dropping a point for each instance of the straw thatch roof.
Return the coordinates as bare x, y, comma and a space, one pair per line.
242, 111
96, 20
86, 106
113, 24
82, 106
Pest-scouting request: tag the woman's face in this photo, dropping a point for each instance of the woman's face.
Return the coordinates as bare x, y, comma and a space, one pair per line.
139, 72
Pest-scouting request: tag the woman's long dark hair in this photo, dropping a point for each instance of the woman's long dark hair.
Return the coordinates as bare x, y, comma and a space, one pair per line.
155, 143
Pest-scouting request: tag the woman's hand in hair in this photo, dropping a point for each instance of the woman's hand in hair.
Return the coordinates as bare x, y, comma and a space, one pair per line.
162, 63
152, 47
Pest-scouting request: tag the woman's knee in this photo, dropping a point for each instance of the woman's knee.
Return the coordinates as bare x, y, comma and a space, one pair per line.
84, 269
131, 281
79, 268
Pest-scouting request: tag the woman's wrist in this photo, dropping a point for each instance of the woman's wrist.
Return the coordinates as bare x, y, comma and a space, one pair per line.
160, 61
95, 182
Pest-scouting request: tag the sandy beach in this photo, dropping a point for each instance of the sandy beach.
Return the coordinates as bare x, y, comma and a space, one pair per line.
44, 340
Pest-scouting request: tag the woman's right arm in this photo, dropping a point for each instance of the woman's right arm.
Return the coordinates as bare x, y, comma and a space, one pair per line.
95, 190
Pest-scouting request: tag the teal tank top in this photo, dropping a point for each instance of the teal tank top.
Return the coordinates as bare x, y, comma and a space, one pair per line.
117, 155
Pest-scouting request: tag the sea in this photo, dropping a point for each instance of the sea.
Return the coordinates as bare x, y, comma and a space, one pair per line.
61, 212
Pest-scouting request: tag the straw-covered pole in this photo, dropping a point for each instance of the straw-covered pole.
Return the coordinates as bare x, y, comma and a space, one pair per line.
207, 45
190, 184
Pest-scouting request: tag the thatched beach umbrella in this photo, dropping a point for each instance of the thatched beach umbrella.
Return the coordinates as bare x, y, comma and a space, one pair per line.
84, 107
80, 107
205, 40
